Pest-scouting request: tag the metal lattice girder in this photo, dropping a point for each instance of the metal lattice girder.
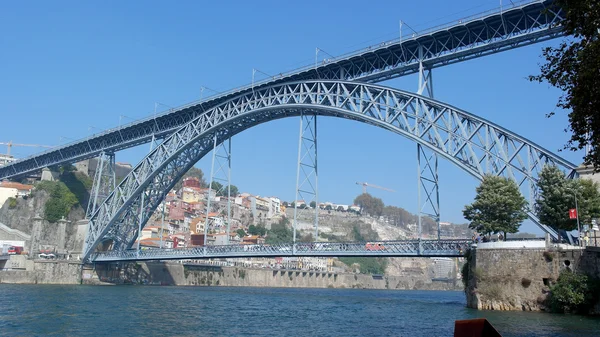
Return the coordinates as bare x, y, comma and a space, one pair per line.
427, 160
471, 38
468, 141
104, 182
429, 248
307, 182
221, 157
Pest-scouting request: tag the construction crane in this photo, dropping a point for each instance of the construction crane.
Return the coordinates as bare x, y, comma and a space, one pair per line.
10, 144
365, 185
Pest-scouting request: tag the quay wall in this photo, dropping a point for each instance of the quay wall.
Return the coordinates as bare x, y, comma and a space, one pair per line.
520, 278
164, 273
21, 270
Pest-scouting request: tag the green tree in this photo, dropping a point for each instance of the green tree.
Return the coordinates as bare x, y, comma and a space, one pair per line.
573, 292
328, 208
313, 204
589, 204
557, 195
233, 192
369, 204
218, 188
280, 232
555, 198
368, 265
340, 209
257, 230
573, 67
61, 200
499, 206
241, 233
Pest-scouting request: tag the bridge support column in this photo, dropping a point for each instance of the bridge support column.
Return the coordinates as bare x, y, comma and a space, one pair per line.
104, 182
307, 172
221, 156
427, 160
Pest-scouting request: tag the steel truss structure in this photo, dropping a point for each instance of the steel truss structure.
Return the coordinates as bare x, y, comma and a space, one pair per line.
427, 161
472, 143
307, 177
104, 182
222, 157
412, 248
471, 38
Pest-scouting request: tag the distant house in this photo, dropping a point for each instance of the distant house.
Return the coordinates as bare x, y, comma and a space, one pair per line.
13, 190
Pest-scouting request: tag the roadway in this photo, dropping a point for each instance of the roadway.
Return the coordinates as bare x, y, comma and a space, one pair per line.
402, 248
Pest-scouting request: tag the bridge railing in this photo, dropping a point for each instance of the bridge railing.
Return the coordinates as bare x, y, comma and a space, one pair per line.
375, 248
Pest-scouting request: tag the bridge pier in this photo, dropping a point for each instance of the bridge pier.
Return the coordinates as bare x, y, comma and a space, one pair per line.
104, 182
427, 160
307, 170
221, 154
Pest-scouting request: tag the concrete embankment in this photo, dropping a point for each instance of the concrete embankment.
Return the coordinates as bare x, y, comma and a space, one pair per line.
26, 271
520, 278
199, 275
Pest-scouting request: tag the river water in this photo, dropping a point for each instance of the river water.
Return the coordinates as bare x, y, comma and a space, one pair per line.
42, 310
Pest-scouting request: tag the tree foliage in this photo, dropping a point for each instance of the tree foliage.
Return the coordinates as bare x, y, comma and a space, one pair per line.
233, 191
241, 233
368, 265
313, 204
61, 200
280, 232
557, 195
555, 198
499, 206
369, 204
257, 230
573, 292
574, 68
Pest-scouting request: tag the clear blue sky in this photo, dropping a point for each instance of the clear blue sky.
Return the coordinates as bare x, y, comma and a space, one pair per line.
71, 68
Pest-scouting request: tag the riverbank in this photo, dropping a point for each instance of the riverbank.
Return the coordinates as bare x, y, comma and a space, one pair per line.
25, 271
510, 278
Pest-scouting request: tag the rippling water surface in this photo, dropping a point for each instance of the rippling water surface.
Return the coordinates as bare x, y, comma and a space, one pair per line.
37, 310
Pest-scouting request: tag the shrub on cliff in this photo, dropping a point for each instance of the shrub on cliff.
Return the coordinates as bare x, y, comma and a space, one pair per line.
61, 200
573, 292
12, 203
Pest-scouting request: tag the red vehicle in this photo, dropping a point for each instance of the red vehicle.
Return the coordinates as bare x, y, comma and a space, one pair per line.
374, 246
15, 250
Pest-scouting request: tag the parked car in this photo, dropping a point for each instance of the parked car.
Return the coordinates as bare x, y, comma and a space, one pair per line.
15, 250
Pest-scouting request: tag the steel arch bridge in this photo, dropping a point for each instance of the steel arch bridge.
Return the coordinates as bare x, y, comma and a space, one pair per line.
493, 32
472, 143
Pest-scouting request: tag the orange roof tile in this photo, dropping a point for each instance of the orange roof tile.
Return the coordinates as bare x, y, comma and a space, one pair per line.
18, 186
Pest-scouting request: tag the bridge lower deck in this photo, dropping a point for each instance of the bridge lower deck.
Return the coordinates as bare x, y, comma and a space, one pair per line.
406, 248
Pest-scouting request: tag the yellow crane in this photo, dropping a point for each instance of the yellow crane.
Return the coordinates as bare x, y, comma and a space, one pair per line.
365, 185
10, 144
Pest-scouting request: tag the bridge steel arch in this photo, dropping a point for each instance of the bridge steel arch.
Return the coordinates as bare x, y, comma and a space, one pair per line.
520, 25
474, 144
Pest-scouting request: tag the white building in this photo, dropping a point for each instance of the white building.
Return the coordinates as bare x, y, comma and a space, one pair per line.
13, 190
6, 159
274, 207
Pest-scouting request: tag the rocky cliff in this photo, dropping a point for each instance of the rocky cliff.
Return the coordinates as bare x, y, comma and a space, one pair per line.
54, 236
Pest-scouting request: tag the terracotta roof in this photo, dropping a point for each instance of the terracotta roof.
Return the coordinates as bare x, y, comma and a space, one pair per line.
18, 186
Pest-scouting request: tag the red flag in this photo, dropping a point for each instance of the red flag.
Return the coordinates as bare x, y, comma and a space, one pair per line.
572, 213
